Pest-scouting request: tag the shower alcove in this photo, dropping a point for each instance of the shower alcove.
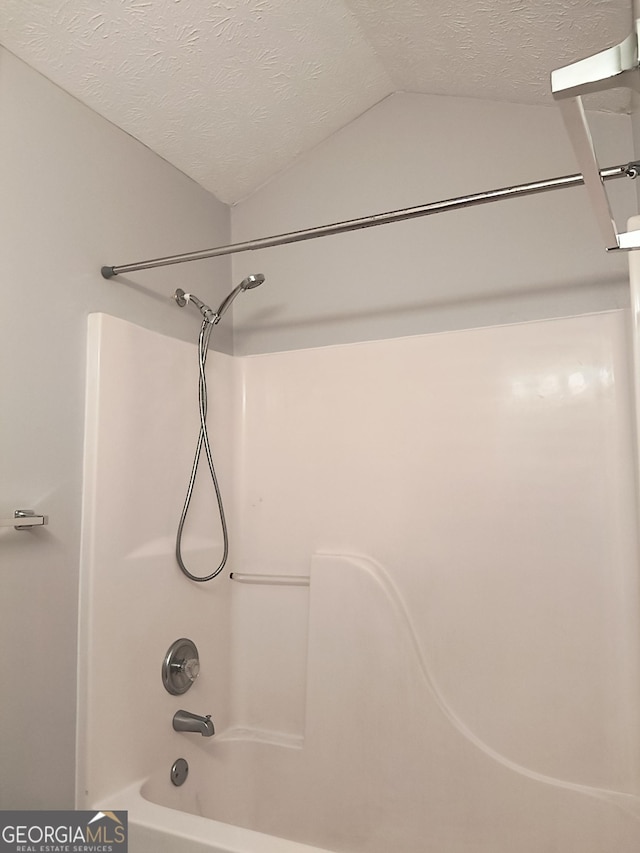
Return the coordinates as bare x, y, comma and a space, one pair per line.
431, 640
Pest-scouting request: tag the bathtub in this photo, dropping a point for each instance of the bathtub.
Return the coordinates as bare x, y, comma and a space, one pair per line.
225, 795
226, 804
372, 771
245, 791
155, 828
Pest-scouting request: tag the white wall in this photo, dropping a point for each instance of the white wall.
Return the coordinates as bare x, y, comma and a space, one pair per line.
76, 193
129, 567
522, 259
491, 472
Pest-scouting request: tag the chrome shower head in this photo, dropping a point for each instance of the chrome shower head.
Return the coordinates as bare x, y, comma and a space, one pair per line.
251, 281
247, 283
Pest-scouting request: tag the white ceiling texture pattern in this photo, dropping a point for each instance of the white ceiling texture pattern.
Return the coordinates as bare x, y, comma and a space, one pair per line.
232, 92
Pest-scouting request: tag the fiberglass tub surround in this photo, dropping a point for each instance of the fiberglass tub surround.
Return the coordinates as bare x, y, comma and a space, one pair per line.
432, 639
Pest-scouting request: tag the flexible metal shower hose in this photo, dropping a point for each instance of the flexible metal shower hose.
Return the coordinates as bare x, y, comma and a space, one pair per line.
203, 441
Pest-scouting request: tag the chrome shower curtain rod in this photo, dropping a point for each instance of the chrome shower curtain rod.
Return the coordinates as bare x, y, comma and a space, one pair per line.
629, 170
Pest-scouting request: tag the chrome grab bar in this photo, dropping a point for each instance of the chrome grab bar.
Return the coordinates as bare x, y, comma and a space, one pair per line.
24, 519
271, 580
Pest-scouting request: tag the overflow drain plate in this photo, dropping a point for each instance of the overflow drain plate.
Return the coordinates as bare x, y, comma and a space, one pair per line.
179, 772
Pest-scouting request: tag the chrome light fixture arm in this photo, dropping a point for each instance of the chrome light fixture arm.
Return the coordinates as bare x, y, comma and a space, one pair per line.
615, 67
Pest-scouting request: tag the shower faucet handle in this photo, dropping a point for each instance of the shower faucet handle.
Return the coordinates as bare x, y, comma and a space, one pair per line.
181, 666
189, 667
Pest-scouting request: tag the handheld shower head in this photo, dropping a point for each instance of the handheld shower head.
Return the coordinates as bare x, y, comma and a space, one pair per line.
209, 315
247, 283
251, 281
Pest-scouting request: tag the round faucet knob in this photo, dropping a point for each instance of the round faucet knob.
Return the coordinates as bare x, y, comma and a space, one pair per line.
189, 667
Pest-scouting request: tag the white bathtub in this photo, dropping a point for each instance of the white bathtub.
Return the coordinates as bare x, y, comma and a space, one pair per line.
158, 829
372, 773
248, 795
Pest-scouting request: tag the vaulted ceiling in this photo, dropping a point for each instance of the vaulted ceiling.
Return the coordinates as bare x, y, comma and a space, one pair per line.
232, 92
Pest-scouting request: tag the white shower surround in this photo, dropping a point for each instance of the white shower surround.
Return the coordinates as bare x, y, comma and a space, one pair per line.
461, 671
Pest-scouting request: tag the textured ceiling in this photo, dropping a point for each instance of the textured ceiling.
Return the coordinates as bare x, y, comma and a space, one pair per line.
231, 92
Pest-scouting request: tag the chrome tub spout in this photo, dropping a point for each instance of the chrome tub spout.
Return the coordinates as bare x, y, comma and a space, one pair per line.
185, 721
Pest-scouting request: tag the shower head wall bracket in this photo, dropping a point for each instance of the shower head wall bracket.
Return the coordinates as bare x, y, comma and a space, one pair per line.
615, 67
